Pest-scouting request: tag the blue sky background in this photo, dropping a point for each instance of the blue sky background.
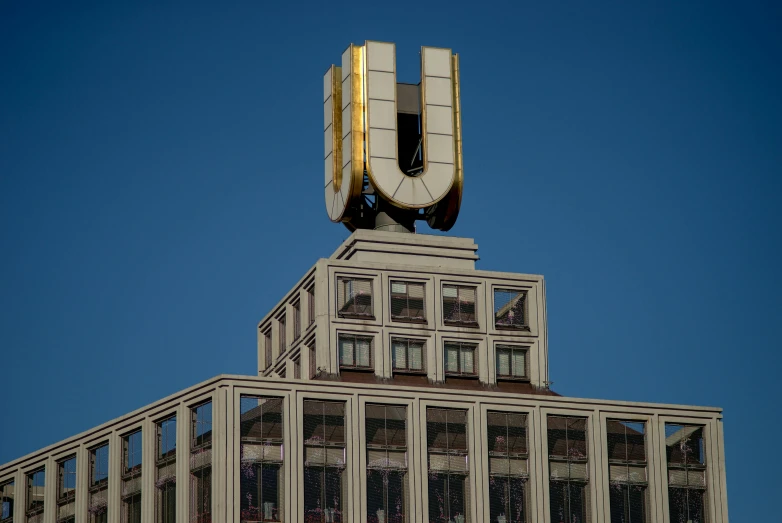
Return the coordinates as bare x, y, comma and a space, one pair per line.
161, 188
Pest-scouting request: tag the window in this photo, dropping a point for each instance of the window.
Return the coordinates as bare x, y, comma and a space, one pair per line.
282, 333
7, 502
262, 488
446, 438
407, 301
324, 461
355, 352
354, 298
387, 481
510, 309
131, 478
36, 482
311, 305
99, 484
626, 450
569, 476
267, 347
201, 463
459, 305
165, 463
296, 321
511, 362
297, 369
508, 466
408, 355
313, 362
686, 457
460, 359
66, 490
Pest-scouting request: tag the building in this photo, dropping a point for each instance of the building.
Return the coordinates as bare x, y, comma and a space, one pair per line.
396, 383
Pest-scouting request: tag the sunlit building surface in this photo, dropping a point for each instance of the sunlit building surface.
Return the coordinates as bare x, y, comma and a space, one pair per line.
396, 383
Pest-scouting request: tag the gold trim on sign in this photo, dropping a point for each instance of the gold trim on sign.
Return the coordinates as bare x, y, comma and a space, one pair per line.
357, 111
336, 126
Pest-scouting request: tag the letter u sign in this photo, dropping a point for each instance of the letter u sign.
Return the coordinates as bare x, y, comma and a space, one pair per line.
361, 134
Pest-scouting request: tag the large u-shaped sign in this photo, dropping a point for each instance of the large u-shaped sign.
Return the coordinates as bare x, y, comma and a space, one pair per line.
361, 130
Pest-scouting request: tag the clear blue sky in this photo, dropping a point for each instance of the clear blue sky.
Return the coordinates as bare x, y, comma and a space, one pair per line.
161, 187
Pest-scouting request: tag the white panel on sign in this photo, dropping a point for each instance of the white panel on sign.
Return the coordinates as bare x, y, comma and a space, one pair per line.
438, 91
327, 83
346, 90
382, 86
328, 109
382, 115
380, 56
346, 63
383, 143
439, 148
437, 62
439, 119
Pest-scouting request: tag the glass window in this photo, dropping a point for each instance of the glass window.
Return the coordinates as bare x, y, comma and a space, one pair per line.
36, 482
282, 331
448, 463
201, 463
686, 457
511, 362
267, 347
387, 481
324, 461
508, 467
626, 450
459, 305
262, 493
7, 502
510, 309
131, 478
99, 484
407, 301
311, 305
354, 298
569, 475
355, 352
66, 490
408, 355
165, 480
460, 359
296, 321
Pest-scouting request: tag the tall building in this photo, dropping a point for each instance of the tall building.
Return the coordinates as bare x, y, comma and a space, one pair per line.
396, 382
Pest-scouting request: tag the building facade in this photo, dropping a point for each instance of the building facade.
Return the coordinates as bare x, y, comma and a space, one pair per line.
396, 383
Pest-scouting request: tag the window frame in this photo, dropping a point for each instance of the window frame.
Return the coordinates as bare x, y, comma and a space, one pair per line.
64, 498
500, 346
407, 369
475, 323
406, 319
296, 305
471, 345
282, 325
525, 325
31, 510
311, 305
352, 314
267, 346
356, 337
11, 499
